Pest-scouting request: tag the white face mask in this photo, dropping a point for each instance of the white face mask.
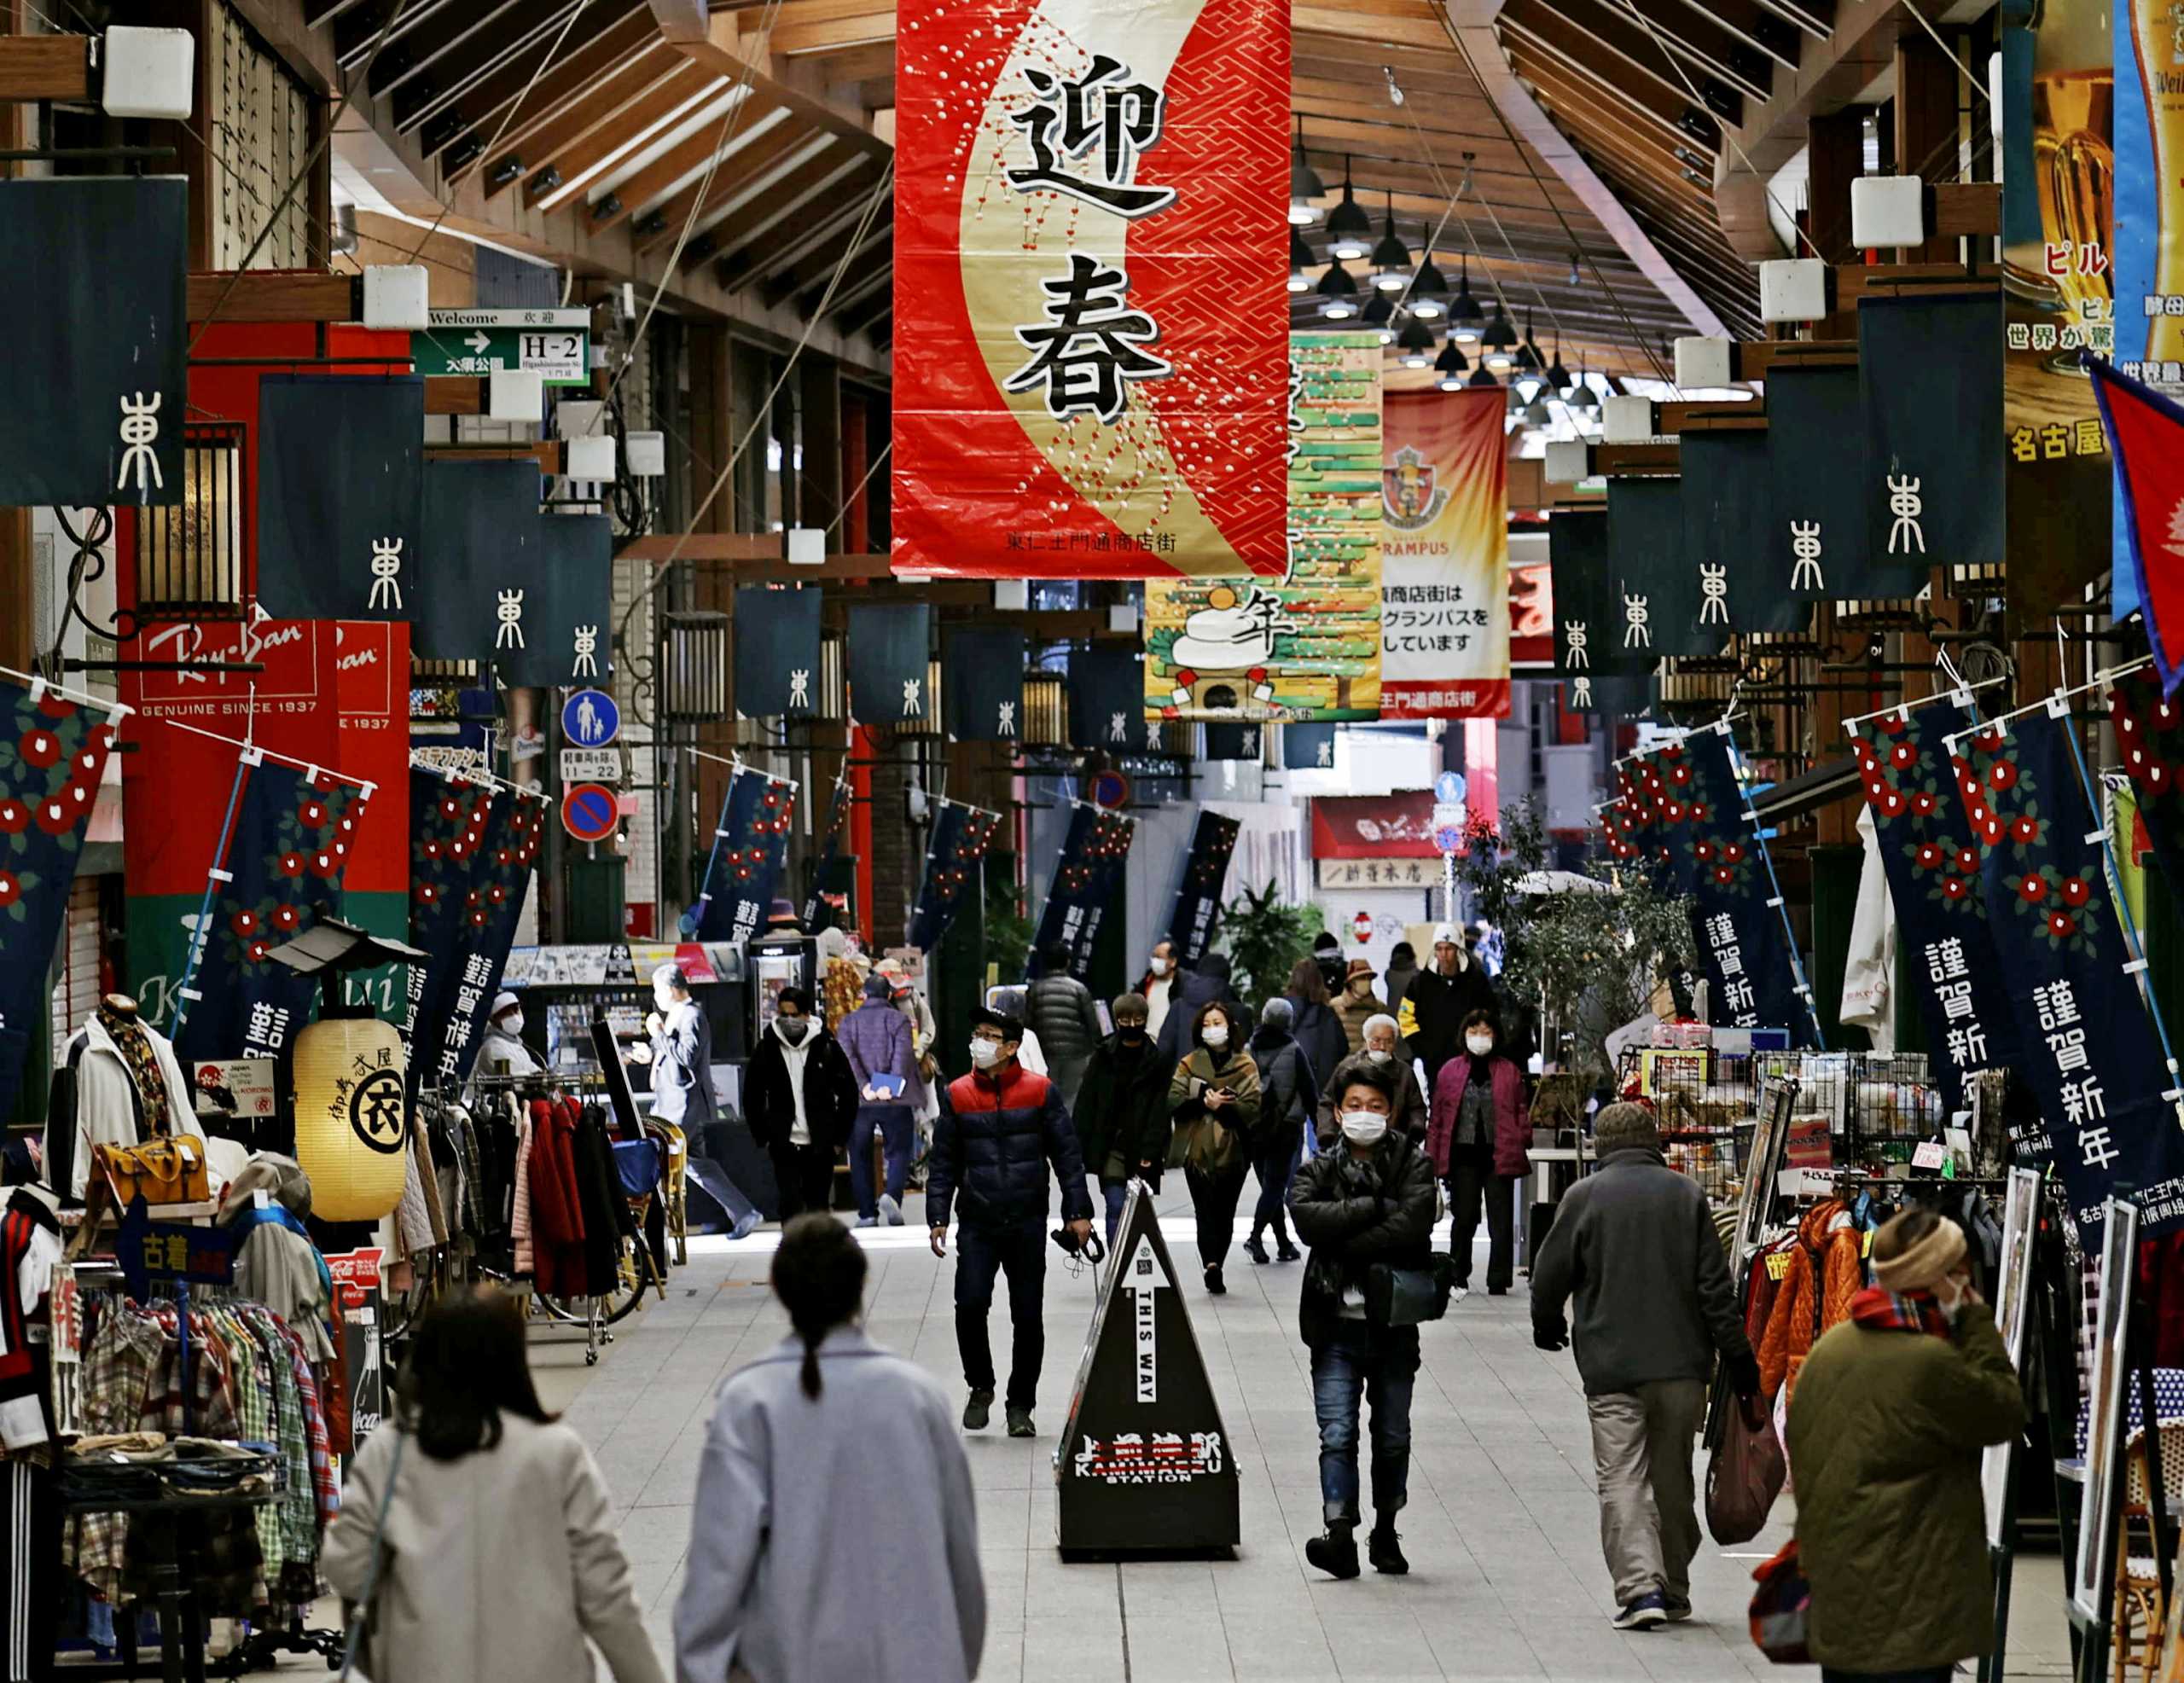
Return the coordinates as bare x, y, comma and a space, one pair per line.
1161, 966
510, 1024
1216, 1035
985, 1053
1364, 1128
1378, 1055
1480, 1044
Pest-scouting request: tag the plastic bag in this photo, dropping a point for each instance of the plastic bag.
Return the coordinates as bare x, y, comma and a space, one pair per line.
1744, 1474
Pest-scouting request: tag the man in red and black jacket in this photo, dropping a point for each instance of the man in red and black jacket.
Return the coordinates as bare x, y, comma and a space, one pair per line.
998, 1130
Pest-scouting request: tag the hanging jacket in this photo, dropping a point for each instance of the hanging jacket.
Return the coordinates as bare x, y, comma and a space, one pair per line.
1513, 1121
556, 1208
1826, 1271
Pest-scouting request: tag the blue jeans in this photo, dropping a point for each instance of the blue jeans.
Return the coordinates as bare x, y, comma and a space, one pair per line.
897, 1126
712, 1181
1274, 1163
1361, 1360
1117, 1194
1019, 1250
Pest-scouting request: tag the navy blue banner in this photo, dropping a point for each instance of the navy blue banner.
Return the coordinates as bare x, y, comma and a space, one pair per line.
1085, 875
889, 651
750, 846
1106, 698
1308, 747
1655, 605
1744, 946
778, 651
491, 907
52, 755
1245, 742
290, 845
984, 674
1728, 504
2088, 1048
1206, 872
1935, 491
818, 915
1933, 865
448, 822
960, 836
346, 545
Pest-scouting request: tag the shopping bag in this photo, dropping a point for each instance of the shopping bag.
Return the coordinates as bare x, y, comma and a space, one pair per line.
1744, 1474
1781, 1608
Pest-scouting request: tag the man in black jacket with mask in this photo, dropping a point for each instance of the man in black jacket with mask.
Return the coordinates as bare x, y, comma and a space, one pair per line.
1438, 998
1367, 1197
1121, 1111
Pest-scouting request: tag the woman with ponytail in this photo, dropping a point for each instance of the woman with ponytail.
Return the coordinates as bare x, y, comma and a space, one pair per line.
833, 1481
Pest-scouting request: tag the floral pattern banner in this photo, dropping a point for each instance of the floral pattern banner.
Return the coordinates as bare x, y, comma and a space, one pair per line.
52, 756
294, 832
749, 848
961, 837
448, 822
1931, 859
1205, 873
485, 928
1092, 857
2150, 734
2087, 1046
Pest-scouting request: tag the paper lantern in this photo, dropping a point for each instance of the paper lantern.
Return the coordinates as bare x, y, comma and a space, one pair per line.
350, 1119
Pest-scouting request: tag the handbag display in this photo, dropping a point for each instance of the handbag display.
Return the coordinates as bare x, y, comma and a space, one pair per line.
1781, 1608
172, 1170
1397, 1296
1744, 1474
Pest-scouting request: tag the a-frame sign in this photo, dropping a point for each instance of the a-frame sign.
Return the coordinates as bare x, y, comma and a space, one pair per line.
1144, 1465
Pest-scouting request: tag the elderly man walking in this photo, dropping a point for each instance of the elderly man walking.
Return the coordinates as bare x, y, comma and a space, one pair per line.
1635, 1243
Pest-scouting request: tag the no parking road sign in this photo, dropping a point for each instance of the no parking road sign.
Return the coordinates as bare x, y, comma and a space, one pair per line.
590, 811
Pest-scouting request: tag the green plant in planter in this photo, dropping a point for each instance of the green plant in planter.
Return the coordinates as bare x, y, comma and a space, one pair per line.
1264, 935
1007, 931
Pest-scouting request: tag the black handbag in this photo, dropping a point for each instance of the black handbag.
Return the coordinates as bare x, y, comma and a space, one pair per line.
1397, 1296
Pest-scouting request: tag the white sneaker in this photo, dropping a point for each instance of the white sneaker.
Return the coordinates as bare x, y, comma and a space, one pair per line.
1460, 1294
891, 1210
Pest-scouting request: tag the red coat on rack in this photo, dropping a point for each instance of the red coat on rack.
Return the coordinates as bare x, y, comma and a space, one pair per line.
556, 1214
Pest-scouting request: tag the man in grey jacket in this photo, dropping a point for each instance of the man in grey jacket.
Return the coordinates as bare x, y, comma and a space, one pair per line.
1636, 1244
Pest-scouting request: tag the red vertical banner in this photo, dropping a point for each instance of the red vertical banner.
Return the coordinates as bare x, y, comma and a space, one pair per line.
1091, 328
1444, 556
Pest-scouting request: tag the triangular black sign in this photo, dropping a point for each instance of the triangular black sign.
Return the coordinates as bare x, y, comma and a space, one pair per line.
1145, 1466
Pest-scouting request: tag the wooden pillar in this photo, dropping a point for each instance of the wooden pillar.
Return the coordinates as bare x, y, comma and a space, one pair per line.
1835, 150
819, 487
1926, 128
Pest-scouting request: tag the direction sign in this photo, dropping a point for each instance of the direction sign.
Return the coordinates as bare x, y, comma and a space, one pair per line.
589, 719
590, 765
590, 811
1449, 788
557, 343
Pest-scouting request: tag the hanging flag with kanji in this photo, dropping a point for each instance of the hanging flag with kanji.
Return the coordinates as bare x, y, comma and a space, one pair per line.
282, 871
1091, 859
1205, 874
1090, 328
1444, 556
1932, 859
2145, 431
52, 755
2088, 1046
2150, 738
953, 869
491, 908
818, 908
448, 822
750, 846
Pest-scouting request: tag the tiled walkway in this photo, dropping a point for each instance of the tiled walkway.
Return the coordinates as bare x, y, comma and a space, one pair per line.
1502, 1530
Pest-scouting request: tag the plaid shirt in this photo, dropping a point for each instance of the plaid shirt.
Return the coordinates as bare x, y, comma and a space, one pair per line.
118, 1364
324, 1490
254, 1406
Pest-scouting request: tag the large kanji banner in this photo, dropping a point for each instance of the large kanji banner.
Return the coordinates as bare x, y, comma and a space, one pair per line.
1090, 257
1444, 556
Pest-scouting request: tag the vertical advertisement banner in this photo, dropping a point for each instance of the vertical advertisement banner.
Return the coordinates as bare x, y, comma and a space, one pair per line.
492, 906
1444, 556
1198, 901
2063, 106
750, 844
1309, 647
1091, 241
448, 822
1743, 945
960, 836
1091, 858
2087, 1046
1930, 856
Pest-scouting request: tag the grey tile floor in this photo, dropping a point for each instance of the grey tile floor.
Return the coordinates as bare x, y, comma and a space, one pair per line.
1502, 1531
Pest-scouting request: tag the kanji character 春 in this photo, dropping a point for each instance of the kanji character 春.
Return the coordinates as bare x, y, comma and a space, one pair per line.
1091, 345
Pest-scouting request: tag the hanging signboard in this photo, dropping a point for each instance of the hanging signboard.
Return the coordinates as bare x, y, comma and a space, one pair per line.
1145, 1465
1374, 826
1444, 556
1089, 306
1308, 647
555, 343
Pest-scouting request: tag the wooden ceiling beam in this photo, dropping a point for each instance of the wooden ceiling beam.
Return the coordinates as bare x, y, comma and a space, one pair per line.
678, 80
1614, 57
737, 171
871, 62
724, 59
1409, 26
601, 38
449, 30
525, 46
1561, 90
785, 196
691, 153
844, 246
1696, 35
793, 40
572, 114
1662, 108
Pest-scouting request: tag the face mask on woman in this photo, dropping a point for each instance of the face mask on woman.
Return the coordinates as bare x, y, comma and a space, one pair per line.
1216, 1035
985, 1053
1480, 1044
1364, 1128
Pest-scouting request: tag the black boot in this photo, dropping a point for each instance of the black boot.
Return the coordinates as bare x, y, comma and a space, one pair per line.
1383, 1548
1335, 1553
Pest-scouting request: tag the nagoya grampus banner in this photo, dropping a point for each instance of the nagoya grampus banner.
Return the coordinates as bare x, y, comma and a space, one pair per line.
492, 906
1932, 859
293, 832
1308, 647
51, 759
1444, 556
749, 846
1091, 858
1742, 940
1198, 902
961, 837
2148, 432
2087, 1046
1091, 241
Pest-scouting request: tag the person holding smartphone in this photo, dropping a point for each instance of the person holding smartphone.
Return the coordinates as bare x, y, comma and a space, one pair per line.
1213, 1102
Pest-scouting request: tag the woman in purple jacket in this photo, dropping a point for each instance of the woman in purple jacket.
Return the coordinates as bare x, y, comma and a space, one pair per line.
1481, 1126
876, 1038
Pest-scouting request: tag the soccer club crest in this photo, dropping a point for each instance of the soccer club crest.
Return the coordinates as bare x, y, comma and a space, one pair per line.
1410, 499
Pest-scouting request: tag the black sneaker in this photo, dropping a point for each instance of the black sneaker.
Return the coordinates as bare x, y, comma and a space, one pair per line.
1215, 1287
1335, 1553
1679, 1607
1255, 1248
1383, 1548
1284, 1252
1019, 1422
977, 1411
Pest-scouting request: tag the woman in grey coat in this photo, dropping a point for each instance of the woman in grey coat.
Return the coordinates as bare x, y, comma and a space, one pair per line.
790, 1552
498, 1555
